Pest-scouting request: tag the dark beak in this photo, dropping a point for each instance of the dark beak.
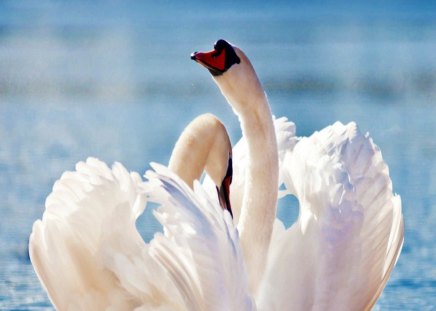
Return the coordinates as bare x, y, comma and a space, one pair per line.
224, 190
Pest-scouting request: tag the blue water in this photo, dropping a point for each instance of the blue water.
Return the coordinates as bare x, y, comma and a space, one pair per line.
114, 80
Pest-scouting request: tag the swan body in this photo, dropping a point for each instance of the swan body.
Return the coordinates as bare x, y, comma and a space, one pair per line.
338, 255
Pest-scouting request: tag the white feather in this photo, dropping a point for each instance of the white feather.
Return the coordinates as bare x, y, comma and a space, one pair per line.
66, 246
89, 256
339, 253
200, 239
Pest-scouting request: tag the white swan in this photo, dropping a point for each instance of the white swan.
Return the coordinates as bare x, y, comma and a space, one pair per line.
337, 256
89, 256
349, 233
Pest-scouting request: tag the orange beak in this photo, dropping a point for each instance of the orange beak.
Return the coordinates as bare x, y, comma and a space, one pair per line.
212, 60
219, 60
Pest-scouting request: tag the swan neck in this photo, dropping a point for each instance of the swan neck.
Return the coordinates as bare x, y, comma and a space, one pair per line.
204, 145
188, 166
258, 209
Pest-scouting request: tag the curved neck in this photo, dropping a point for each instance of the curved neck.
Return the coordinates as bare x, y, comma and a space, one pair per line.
258, 210
187, 166
203, 145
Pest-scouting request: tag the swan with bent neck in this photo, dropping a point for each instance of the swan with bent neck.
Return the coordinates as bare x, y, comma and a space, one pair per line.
88, 234
239, 84
338, 254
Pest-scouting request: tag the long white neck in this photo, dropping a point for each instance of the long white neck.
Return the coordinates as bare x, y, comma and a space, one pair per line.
258, 209
259, 203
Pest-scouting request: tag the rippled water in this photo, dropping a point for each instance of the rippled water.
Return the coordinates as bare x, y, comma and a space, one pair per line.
114, 80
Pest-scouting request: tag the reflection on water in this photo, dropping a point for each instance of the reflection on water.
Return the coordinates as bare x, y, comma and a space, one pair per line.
115, 81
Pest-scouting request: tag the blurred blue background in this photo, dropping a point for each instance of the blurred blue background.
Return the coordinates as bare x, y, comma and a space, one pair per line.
114, 80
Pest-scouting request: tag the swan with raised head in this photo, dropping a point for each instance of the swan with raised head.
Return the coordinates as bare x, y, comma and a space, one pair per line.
340, 252
337, 256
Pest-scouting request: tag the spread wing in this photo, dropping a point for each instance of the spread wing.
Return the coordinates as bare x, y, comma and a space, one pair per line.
349, 233
89, 256
67, 247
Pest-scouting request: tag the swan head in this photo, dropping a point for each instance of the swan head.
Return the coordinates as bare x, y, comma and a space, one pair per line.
232, 71
220, 59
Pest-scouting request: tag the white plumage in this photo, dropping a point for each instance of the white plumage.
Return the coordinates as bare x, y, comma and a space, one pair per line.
89, 255
349, 233
337, 256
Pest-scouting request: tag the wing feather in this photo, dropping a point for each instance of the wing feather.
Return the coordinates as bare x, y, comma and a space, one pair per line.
340, 252
89, 256
65, 246
199, 246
